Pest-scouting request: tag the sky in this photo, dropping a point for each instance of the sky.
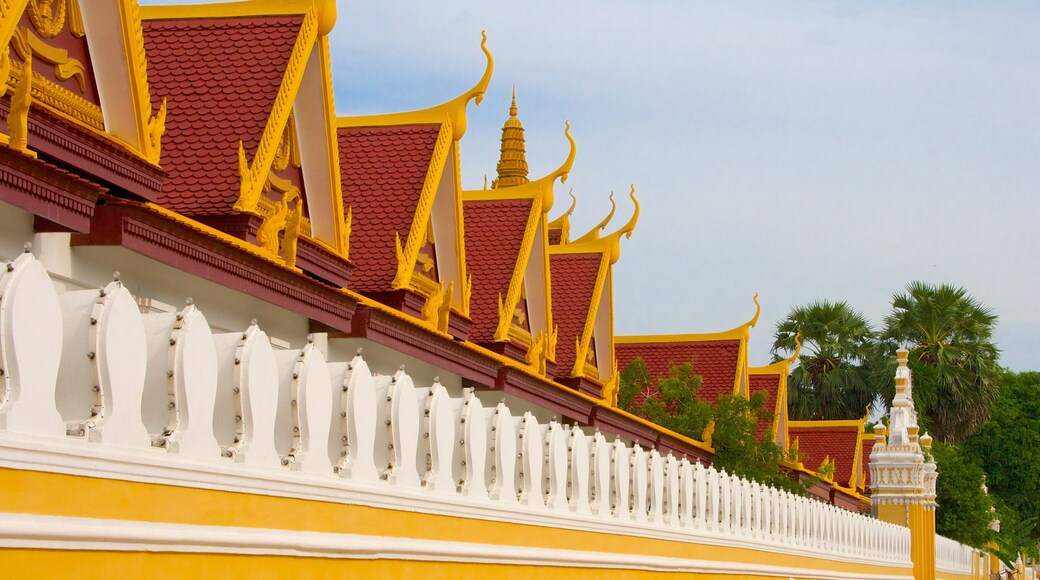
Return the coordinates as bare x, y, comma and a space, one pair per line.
802, 150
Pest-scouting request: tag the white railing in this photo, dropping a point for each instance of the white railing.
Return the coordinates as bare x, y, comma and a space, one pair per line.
87, 365
954, 557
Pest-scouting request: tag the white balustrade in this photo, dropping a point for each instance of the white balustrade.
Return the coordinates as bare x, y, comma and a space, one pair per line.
579, 471
30, 349
87, 364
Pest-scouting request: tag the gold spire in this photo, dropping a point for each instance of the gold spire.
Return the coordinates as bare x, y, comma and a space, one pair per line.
512, 164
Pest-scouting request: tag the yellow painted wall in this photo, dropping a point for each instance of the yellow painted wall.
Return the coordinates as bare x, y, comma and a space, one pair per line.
42, 493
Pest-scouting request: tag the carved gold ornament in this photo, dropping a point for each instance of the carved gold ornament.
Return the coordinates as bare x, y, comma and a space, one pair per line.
47, 16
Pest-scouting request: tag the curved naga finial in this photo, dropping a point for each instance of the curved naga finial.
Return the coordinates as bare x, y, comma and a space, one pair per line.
625, 230
758, 311
545, 184
558, 222
476, 94
564, 170
593, 234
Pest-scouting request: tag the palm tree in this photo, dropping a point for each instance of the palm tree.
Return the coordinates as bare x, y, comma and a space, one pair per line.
831, 379
950, 337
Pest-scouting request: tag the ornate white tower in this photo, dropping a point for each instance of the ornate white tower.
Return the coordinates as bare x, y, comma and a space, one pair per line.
903, 474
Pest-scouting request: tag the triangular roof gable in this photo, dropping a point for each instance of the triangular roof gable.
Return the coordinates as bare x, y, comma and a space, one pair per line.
231, 72
772, 379
719, 358
110, 96
511, 257
839, 440
580, 311
416, 154
256, 62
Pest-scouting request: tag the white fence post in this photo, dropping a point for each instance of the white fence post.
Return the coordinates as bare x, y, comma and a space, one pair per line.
30, 349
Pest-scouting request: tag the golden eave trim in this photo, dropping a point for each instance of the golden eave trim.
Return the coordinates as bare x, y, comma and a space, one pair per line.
585, 340
453, 110
10, 14
150, 129
254, 173
516, 281
256, 8
409, 253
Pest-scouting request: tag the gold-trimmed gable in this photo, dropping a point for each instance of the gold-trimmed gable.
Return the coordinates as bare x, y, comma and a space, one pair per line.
609, 248
108, 97
255, 166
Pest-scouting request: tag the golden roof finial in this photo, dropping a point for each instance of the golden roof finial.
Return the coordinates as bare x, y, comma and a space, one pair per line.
758, 312
626, 230
512, 161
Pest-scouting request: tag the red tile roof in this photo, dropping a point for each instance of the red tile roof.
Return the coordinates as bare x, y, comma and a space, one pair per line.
220, 77
816, 443
714, 360
494, 234
383, 170
573, 284
770, 386
868, 446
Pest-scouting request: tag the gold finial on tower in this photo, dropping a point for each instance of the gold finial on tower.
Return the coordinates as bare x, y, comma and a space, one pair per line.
512, 162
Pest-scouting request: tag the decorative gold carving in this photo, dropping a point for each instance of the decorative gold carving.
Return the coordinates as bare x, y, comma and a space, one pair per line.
285, 152
409, 254
550, 345
437, 309
519, 335
47, 16
609, 393
444, 312
48, 93
708, 432
76, 26
425, 261
151, 127
21, 101
283, 218
468, 293
536, 354
156, 130
65, 67
563, 223
254, 174
348, 224
5, 71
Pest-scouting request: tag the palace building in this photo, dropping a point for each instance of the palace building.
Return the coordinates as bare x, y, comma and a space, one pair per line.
241, 334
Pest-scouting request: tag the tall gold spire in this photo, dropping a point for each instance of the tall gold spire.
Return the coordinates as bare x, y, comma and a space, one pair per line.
512, 163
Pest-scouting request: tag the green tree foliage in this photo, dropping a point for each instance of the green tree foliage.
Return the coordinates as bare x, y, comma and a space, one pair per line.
831, 379
950, 337
1008, 449
672, 403
963, 512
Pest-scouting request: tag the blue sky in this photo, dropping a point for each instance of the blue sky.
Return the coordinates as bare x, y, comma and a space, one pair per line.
804, 150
